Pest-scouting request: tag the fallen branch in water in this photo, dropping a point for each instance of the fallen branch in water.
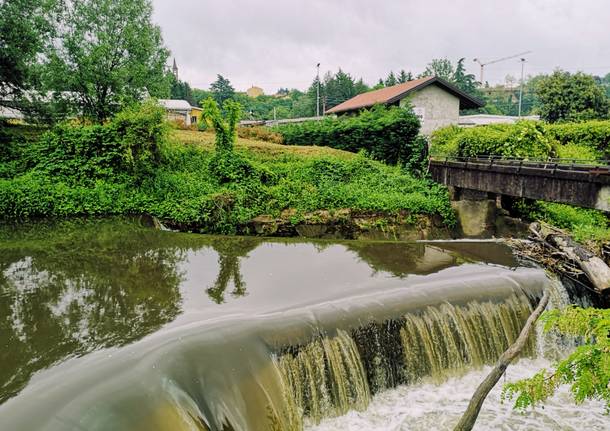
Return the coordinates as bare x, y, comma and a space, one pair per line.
474, 407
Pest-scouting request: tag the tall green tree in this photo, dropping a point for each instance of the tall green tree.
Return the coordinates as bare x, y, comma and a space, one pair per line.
464, 81
390, 80
563, 96
404, 77
182, 90
107, 54
222, 90
25, 26
440, 67
338, 88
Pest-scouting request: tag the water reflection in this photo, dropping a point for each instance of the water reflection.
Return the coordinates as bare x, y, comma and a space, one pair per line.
230, 252
77, 287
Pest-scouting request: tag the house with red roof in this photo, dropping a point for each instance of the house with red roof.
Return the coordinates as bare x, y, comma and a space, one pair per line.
435, 101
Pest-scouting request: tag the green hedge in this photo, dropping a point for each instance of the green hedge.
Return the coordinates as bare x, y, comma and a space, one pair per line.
588, 140
386, 134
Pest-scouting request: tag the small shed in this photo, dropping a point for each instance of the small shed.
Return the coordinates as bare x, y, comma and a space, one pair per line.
435, 101
181, 111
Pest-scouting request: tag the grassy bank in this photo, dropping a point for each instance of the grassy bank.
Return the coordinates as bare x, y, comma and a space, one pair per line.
177, 176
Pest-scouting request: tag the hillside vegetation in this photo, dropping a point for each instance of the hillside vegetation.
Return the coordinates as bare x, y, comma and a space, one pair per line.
134, 165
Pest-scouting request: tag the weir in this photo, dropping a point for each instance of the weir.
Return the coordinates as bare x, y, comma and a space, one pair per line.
287, 368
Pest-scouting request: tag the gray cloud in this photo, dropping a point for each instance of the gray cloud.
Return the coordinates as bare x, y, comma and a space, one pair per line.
276, 44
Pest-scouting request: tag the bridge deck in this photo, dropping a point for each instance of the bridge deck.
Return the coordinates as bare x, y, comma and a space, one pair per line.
586, 185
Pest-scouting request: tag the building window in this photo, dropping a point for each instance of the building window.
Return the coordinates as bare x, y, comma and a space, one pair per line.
193, 120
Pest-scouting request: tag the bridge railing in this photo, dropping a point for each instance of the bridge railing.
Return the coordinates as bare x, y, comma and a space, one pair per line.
571, 164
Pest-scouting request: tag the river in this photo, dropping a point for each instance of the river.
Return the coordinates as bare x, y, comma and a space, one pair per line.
110, 324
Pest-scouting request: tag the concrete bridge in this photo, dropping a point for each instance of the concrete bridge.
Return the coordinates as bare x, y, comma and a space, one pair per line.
554, 180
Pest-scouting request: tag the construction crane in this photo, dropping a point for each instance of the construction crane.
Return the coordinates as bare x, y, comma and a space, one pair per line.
477, 60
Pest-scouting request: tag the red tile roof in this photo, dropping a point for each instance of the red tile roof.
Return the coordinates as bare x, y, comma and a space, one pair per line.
396, 92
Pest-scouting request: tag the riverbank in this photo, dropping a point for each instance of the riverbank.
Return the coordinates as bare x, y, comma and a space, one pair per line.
177, 177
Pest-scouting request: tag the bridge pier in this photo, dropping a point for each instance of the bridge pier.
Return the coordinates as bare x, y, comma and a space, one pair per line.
481, 214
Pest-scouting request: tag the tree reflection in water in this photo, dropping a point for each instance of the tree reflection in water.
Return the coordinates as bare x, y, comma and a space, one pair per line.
230, 252
71, 287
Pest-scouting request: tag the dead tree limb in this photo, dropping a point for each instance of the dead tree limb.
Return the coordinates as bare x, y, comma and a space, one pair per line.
469, 417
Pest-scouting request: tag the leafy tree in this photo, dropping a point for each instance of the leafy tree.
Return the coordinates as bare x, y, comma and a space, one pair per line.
24, 28
222, 90
224, 126
390, 80
108, 53
405, 77
587, 370
440, 67
571, 97
379, 85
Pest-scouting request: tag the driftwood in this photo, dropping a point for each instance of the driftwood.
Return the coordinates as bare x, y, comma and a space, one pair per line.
469, 417
595, 268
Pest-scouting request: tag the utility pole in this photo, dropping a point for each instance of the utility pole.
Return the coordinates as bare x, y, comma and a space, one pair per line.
521, 88
318, 90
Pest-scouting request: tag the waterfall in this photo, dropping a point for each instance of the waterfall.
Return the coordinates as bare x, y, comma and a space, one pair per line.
334, 373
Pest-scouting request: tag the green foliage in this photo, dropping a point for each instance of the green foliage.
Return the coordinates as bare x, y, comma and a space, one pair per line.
129, 145
221, 90
24, 27
207, 191
593, 134
225, 126
109, 54
584, 224
588, 140
387, 134
523, 139
586, 370
571, 97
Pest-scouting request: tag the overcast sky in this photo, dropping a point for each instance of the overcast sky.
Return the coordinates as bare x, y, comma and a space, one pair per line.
277, 43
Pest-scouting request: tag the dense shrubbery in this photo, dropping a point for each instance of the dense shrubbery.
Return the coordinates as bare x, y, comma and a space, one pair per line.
586, 141
386, 134
90, 171
524, 139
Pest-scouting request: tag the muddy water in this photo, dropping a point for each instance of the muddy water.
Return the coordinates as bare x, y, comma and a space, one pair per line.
110, 325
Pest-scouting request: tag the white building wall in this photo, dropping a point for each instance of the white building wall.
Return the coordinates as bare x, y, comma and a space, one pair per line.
438, 108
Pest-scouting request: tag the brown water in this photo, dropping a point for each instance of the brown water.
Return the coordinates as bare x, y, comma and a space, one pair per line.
108, 324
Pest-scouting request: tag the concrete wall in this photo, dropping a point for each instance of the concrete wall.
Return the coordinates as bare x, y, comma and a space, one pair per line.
439, 107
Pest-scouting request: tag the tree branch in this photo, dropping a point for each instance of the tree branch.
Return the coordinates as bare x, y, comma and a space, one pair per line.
474, 407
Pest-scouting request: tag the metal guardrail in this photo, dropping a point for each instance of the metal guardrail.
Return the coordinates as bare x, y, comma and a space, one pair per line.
567, 164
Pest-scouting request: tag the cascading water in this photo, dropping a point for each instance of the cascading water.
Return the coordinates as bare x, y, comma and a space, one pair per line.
333, 374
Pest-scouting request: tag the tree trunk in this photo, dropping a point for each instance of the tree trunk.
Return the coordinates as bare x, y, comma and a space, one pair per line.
474, 407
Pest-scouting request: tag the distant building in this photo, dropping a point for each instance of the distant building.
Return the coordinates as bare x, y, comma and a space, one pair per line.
435, 101
181, 111
175, 69
254, 91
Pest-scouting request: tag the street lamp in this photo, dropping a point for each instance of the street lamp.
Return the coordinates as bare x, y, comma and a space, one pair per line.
521, 87
318, 90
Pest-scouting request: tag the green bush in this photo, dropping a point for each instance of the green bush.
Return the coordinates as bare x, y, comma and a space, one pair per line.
523, 139
386, 134
588, 140
130, 144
